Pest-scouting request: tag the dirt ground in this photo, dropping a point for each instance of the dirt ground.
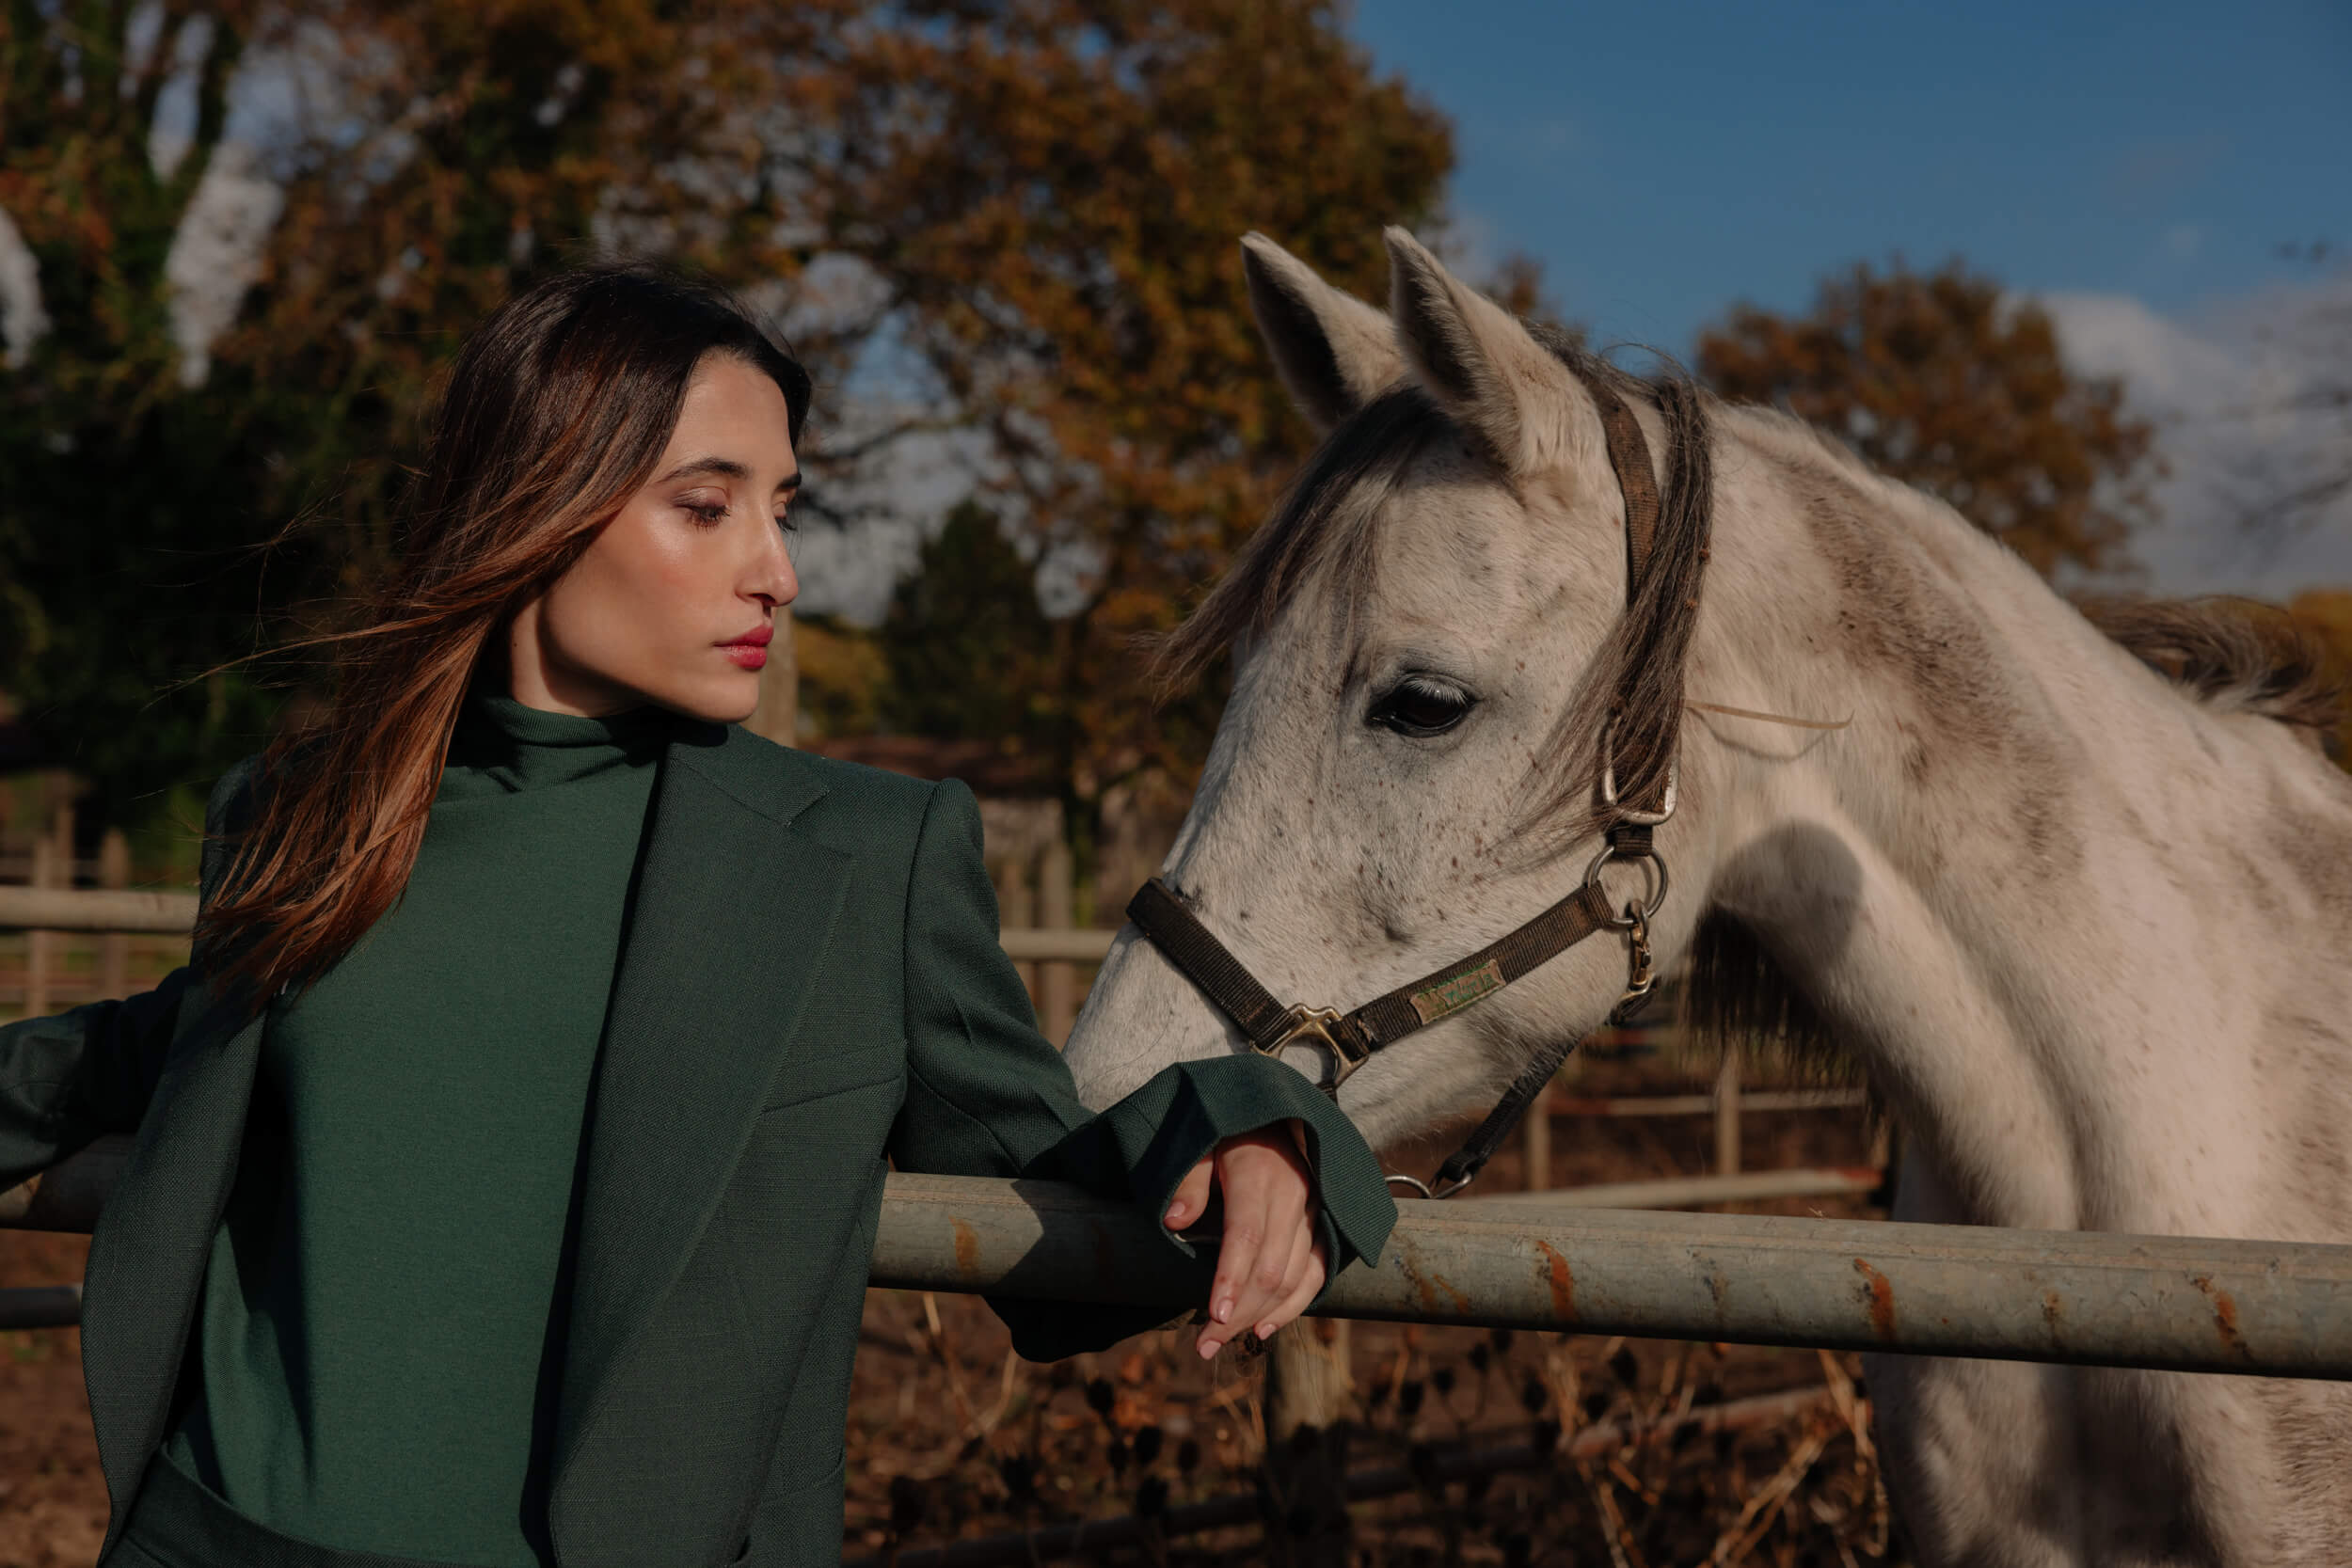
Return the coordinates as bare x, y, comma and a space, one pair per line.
952, 1437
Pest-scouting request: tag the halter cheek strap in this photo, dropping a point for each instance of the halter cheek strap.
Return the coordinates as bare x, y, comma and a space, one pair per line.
1350, 1038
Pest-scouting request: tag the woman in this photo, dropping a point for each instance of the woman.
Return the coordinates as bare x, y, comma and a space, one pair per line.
509, 1155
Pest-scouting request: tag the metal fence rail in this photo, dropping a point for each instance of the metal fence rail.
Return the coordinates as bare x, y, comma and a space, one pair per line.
50, 909
2183, 1304
1679, 1192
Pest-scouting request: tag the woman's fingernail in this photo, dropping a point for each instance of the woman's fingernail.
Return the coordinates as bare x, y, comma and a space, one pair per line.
1223, 1311
1208, 1350
1265, 1331
1175, 1213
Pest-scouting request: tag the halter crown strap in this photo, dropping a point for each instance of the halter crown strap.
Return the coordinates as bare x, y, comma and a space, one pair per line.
1629, 456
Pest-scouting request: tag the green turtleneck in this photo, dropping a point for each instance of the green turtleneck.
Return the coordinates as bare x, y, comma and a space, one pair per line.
382, 1330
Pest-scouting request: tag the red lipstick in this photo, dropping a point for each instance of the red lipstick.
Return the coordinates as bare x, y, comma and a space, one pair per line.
750, 651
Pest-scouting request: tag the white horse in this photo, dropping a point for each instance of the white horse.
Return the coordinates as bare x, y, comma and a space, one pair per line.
2085, 927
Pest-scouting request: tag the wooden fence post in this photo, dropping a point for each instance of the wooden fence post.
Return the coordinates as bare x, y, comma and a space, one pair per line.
1728, 1115
1057, 978
114, 948
1535, 1142
53, 866
1016, 910
1309, 1402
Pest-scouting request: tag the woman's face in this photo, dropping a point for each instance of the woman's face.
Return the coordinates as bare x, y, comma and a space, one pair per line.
676, 599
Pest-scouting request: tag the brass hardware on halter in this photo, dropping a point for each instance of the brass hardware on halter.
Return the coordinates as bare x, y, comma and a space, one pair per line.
1324, 1026
1641, 972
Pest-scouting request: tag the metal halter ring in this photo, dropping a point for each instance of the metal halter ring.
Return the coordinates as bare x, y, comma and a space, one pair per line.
1648, 857
1398, 1179
1608, 782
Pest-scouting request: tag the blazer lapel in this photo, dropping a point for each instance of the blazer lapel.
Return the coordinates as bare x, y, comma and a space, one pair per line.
147, 1259
732, 912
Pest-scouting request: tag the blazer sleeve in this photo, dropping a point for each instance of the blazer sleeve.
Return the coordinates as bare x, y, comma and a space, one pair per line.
68, 1078
987, 1095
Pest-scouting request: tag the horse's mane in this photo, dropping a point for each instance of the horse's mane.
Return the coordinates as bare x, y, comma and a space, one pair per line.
2233, 653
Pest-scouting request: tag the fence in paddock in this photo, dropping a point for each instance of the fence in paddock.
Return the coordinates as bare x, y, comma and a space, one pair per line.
2169, 1303
1049, 957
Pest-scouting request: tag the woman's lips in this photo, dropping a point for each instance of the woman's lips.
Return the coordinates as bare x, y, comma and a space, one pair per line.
750, 650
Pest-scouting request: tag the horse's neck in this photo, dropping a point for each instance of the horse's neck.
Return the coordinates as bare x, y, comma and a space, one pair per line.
2042, 894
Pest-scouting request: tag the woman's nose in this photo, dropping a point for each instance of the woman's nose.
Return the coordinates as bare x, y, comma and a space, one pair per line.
773, 579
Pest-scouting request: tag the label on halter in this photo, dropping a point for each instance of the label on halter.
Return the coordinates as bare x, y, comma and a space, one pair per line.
1452, 995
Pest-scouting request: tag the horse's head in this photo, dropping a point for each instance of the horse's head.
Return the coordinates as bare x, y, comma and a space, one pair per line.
1428, 638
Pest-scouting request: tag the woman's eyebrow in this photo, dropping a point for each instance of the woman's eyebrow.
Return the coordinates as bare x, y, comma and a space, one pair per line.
719, 467
723, 467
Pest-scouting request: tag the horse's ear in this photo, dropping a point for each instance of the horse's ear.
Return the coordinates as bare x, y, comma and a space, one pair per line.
1334, 352
1485, 368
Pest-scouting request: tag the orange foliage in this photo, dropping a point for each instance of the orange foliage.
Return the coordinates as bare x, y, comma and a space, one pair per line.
2327, 614
1943, 381
1038, 201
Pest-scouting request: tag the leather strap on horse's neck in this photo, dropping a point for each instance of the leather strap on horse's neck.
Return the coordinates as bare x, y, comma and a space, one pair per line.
1629, 458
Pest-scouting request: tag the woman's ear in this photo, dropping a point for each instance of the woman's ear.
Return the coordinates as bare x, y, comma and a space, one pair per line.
1333, 351
1485, 370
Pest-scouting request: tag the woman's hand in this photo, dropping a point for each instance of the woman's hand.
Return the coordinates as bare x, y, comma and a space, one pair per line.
1269, 1264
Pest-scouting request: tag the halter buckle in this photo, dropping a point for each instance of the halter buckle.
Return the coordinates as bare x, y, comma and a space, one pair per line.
1324, 1026
1608, 782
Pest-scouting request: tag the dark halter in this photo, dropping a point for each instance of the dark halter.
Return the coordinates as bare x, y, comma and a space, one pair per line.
1351, 1038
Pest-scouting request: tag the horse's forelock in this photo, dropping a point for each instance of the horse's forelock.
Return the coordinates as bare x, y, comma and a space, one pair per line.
1325, 517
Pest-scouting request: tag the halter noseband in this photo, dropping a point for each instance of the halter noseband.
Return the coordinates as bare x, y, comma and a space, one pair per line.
1350, 1038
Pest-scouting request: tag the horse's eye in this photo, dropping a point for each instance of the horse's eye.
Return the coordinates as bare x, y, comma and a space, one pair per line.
1421, 705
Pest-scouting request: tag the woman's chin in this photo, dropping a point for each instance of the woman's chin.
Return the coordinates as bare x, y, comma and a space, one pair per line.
720, 701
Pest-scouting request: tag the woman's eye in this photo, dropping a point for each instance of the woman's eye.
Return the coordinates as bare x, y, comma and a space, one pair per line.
1420, 707
707, 512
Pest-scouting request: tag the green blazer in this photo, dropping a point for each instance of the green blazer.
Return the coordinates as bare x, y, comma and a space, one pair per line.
811, 981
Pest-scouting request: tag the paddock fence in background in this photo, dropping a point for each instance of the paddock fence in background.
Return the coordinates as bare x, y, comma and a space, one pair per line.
1050, 957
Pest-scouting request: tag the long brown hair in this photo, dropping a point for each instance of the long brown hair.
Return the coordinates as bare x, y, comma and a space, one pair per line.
558, 408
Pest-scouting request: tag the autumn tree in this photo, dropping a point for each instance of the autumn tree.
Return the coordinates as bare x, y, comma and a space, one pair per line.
121, 482
1013, 219
1942, 380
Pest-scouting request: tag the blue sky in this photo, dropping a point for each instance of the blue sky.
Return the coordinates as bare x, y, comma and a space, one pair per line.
1664, 160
